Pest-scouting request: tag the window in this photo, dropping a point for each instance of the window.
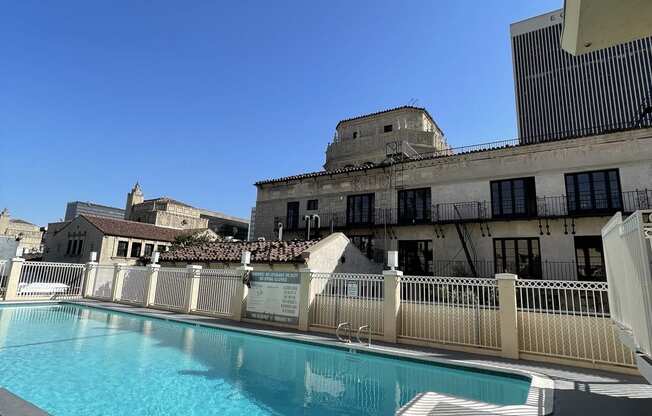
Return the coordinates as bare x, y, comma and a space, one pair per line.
597, 191
590, 259
355, 134
388, 128
360, 209
414, 206
415, 257
73, 250
313, 205
364, 243
122, 249
520, 256
135, 249
161, 248
292, 216
69, 249
149, 249
513, 198
80, 244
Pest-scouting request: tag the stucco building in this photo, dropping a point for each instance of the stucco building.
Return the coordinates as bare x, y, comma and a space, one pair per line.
532, 209
30, 236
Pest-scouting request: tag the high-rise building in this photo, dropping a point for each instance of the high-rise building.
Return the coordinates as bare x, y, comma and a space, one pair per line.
559, 95
77, 208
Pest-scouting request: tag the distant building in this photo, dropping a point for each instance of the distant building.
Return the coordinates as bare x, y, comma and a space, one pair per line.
559, 95
77, 208
114, 241
226, 225
28, 234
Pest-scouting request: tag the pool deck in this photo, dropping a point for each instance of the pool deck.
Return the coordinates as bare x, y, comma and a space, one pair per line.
577, 391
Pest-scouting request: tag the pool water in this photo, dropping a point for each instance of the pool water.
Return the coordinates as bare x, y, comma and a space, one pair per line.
73, 360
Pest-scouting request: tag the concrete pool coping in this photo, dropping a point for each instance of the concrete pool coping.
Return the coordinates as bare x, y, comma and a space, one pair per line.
539, 399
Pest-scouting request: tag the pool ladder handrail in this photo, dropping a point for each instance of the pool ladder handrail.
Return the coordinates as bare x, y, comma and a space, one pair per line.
357, 335
346, 325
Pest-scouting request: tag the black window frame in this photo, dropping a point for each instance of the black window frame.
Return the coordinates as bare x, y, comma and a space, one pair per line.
119, 250
534, 266
576, 198
512, 206
364, 243
414, 206
146, 252
407, 248
292, 215
312, 205
388, 128
356, 214
69, 248
587, 269
131, 249
80, 245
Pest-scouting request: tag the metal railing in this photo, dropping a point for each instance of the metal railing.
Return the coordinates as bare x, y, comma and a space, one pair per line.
217, 288
450, 310
134, 283
103, 282
3, 277
546, 270
50, 280
568, 320
172, 288
344, 297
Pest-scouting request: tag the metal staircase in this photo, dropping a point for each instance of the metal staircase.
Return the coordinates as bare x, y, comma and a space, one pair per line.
467, 243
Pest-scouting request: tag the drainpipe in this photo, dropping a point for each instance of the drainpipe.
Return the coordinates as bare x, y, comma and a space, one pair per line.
280, 231
317, 220
307, 219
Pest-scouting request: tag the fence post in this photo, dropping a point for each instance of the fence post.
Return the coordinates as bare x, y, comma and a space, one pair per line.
193, 290
306, 297
89, 279
118, 278
391, 303
240, 295
150, 286
507, 314
13, 278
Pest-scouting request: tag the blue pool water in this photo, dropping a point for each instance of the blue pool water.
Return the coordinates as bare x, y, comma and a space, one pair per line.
72, 360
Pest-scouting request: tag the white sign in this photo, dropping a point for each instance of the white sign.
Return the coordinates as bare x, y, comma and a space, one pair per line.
274, 296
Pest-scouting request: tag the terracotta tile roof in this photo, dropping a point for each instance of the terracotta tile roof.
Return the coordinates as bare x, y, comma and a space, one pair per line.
124, 228
231, 252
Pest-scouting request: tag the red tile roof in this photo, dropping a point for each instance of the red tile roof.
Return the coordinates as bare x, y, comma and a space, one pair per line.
124, 228
231, 252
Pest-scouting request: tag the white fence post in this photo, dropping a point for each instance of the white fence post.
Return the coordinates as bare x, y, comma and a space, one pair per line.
306, 297
191, 301
391, 303
507, 315
13, 278
240, 295
150, 285
89, 279
118, 279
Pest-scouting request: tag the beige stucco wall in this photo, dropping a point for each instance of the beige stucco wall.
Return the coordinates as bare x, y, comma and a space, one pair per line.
467, 178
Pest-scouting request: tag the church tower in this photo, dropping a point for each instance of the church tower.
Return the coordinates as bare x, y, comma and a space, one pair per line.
134, 197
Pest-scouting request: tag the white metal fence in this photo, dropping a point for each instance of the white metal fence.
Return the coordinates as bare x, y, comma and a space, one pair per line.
343, 297
50, 280
217, 288
172, 287
133, 284
628, 259
103, 282
568, 320
450, 310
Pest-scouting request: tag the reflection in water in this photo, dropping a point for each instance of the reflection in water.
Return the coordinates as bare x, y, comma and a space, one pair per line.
123, 364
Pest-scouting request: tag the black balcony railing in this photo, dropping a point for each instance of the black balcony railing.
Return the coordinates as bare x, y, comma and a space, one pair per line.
547, 269
468, 211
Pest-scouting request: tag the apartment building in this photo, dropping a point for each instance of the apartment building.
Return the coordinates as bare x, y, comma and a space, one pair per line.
532, 209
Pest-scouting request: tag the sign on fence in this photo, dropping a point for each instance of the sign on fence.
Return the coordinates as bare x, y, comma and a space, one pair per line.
274, 296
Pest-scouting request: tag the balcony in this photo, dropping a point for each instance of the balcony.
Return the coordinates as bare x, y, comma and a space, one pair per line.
547, 207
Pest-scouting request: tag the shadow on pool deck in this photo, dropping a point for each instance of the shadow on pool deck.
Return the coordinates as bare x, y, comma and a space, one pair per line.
578, 391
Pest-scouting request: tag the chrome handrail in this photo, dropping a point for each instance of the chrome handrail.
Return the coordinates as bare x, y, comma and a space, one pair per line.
337, 332
368, 334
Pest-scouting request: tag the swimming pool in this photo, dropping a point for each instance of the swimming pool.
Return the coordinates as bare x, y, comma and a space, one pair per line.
73, 360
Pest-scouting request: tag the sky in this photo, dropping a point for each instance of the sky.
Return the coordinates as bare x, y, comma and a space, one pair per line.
197, 100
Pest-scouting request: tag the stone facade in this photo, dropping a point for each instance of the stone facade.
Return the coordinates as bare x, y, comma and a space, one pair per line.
364, 140
459, 204
30, 235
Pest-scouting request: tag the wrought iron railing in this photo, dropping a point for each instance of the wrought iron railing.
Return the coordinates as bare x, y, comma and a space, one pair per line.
545, 270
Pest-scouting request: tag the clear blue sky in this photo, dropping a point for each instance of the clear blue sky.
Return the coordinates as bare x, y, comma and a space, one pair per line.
199, 99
